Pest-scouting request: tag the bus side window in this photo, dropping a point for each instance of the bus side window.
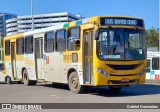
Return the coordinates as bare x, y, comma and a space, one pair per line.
29, 44
0, 55
148, 66
7, 47
155, 63
60, 40
1, 66
49, 42
20, 46
73, 40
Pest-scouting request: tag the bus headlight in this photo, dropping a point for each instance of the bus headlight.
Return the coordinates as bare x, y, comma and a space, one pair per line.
142, 72
102, 72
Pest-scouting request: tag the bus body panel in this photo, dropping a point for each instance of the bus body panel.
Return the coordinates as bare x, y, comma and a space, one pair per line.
52, 67
29, 65
69, 64
57, 66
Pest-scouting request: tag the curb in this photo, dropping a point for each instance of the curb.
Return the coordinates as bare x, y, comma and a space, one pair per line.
152, 81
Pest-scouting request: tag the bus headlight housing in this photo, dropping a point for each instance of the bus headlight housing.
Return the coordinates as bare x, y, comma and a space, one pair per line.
142, 72
102, 72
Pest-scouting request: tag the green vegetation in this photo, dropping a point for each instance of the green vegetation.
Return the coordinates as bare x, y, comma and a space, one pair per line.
152, 38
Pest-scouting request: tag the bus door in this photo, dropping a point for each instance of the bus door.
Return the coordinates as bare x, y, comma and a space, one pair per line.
39, 58
88, 56
13, 59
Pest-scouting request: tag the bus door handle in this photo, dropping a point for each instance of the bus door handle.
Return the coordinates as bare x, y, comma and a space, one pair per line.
86, 57
89, 59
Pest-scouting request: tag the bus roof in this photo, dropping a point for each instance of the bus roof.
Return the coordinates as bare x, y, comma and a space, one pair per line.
13, 36
65, 25
73, 23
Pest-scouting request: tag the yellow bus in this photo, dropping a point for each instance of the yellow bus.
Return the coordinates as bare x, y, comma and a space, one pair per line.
97, 51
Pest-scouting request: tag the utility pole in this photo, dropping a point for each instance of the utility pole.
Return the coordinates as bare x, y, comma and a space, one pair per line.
32, 14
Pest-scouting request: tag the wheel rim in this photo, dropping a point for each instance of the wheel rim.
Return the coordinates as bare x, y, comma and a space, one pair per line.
25, 77
74, 82
8, 80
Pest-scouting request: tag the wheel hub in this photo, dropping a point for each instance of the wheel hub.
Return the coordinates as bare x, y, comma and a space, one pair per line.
75, 82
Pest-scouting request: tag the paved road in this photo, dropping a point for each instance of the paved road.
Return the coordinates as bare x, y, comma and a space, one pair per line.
59, 93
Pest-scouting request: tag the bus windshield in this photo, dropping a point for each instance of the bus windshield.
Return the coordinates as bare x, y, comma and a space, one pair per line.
121, 44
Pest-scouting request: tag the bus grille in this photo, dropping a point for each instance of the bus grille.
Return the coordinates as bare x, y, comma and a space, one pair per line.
124, 67
122, 75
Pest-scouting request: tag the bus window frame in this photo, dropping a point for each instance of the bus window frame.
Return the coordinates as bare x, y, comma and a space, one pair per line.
65, 39
153, 66
7, 48
22, 47
97, 32
25, 44
68, 35
45, 51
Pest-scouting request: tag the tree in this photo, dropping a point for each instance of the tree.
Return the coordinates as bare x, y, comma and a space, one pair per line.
152, 38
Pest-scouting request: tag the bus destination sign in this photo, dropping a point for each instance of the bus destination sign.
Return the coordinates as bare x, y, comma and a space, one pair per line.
121, 21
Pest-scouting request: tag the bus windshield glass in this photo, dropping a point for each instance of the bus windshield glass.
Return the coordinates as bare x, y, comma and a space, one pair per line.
121, 44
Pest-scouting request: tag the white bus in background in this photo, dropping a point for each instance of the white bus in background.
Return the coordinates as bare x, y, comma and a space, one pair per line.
153, 65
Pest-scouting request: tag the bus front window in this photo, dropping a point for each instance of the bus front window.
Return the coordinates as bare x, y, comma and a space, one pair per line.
120, 44
135, 47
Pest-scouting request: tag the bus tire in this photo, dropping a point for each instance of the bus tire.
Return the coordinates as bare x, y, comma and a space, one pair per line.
115, 88
26, 80
33, 82
8, 80
73, 83
19, 82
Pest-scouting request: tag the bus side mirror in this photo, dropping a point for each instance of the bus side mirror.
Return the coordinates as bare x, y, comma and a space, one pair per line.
77, 42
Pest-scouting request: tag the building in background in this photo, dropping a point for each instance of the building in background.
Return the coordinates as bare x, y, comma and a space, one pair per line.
24, 23
3, 18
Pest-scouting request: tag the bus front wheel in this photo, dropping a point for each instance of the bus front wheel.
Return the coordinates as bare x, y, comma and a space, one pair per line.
74, 84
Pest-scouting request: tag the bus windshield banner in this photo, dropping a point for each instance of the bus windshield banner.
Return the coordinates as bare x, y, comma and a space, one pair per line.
121, 21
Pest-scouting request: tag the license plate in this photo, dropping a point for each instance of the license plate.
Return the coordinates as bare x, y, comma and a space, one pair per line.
125, 80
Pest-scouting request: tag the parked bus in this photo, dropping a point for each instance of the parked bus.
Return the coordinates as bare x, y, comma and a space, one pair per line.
153, 65
97, 51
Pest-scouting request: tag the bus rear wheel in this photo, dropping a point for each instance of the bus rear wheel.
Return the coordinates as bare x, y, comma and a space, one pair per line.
8, 80
74, 84
26, 80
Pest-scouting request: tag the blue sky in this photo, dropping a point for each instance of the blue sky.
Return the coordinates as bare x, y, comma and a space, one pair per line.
145, 9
